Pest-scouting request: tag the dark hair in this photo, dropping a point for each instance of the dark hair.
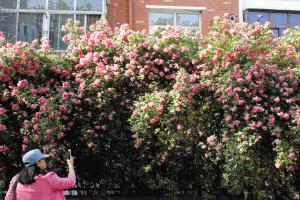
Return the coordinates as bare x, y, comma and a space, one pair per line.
27, 174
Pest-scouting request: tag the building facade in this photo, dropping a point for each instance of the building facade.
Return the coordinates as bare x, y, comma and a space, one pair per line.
282, 14
145, 14
27, 20
198, 14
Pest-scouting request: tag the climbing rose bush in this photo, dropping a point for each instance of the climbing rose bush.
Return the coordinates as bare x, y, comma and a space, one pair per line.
166, 112
248, 75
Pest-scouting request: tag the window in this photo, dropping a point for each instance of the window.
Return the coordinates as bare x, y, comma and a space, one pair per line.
30, 27
8, 25
90, 5
8, 4
91, 19
33, 4
281, 20
35, 19
55, 32
161, 19
261, 17
295, 19
185, 20
61, 4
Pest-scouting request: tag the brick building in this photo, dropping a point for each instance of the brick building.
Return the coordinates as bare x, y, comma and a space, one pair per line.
198, 14
144, 14
27, 20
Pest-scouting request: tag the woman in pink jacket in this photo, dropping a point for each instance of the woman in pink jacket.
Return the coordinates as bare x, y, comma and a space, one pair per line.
34, 183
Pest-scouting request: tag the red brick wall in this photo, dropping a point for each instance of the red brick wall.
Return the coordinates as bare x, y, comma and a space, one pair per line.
118, 10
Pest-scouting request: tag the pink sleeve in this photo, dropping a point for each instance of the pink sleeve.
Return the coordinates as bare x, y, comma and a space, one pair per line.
10, 189
58, 183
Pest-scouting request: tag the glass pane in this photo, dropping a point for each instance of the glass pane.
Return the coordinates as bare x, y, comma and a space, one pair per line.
90, 5
161, 19
261, 17
8, 4
275, 31
92, 19
8, 25
154, 28
33, 4
245, 17
279, 19
295, 19
30, 27
187, 20
61, 4
55, 32
281, 31
81, 19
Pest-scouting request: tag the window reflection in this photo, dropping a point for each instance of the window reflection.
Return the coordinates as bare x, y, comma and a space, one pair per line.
261, 17
81, 18
55, 32
279, 19
8, 25
295, 19
90, 5
61, 4
187, 20
91, 19
8, 4
36, 21
275, 31
282, 31
30, 27
161, 19
33, 4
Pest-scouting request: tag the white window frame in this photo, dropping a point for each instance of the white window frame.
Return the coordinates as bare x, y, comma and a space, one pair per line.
47, 15
176, 10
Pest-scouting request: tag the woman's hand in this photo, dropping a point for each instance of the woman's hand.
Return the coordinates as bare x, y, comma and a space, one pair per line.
70, 161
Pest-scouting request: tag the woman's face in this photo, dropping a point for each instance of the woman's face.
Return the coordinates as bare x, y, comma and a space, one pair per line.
42, 164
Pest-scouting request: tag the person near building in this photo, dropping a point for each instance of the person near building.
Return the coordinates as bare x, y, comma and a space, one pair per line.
34, 182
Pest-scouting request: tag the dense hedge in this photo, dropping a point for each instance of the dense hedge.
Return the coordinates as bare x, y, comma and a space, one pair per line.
161, 113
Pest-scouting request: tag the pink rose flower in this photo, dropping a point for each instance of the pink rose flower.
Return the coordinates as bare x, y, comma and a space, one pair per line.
3, 148
151, 105
256, 99
228, 118
277, 99
60, 136
2, 127
160, 110
15, 107
211, 140
41, 100
22, 83
152, 121
297, 60
195, 89
66, 85
138, 143
2, 111
25, 140
271, 119
180, 127
65, 96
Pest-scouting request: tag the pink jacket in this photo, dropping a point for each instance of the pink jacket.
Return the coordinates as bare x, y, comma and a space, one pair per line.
46, 187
